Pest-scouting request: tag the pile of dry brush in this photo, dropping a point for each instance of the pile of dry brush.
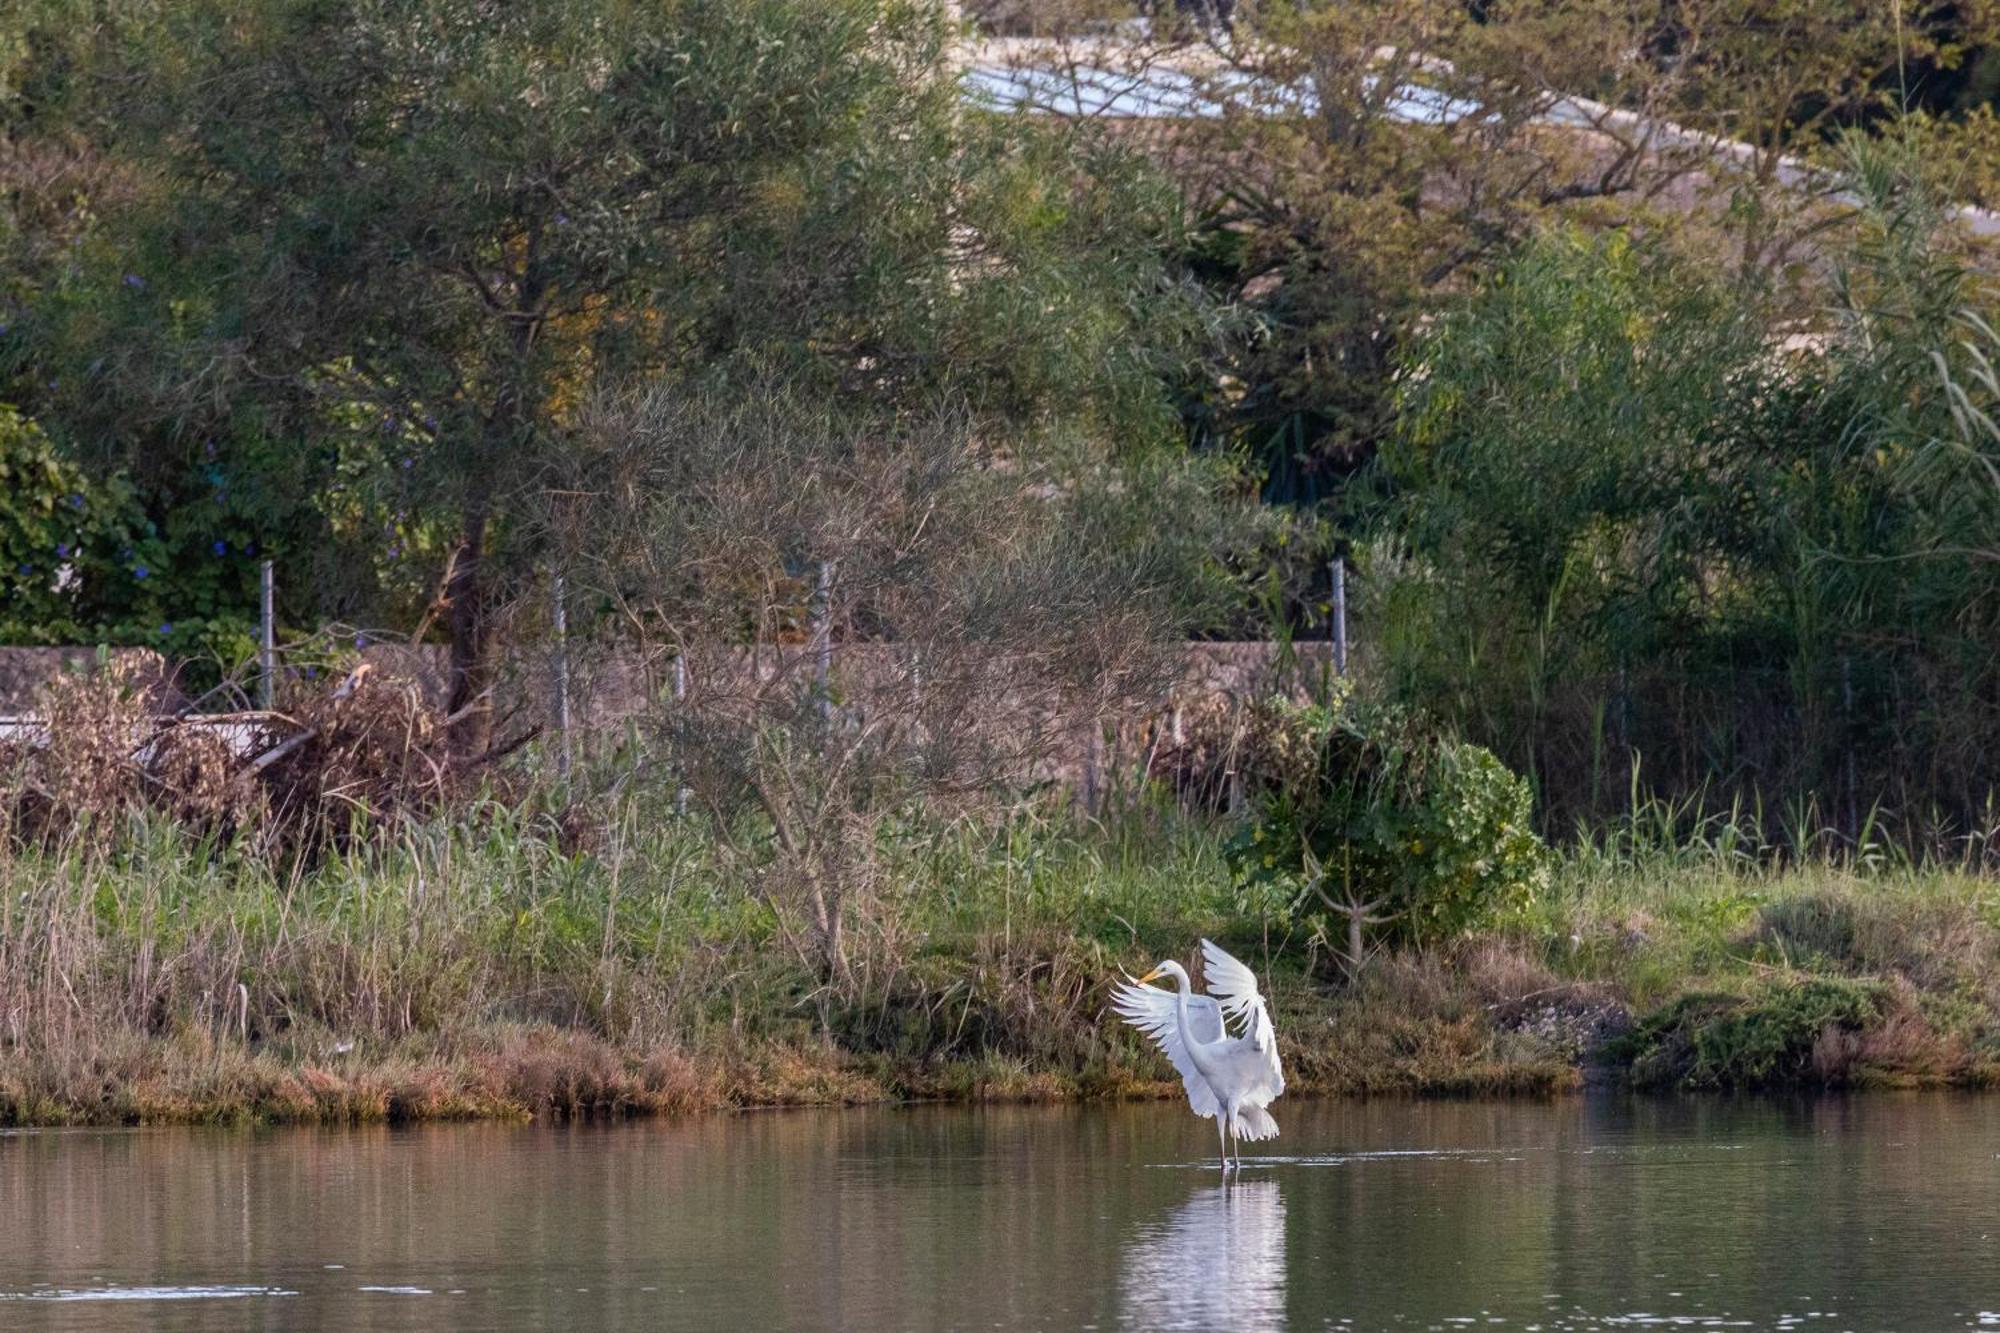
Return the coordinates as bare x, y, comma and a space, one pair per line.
1223, 750
325, 768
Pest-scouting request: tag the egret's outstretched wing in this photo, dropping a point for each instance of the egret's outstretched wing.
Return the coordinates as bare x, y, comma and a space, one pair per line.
1235, 985
1231, 982
1154, 1012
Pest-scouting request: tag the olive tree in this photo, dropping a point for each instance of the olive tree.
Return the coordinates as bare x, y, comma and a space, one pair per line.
403, 243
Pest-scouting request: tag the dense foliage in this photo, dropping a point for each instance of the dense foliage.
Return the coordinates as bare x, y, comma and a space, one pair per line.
1630, 524
82, 561
1424, 159
1392, 825
1659, 467
384, 255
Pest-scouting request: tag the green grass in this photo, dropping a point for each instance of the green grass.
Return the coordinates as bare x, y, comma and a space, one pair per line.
477, 968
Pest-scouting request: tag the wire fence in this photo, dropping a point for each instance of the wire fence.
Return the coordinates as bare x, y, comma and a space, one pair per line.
586, 697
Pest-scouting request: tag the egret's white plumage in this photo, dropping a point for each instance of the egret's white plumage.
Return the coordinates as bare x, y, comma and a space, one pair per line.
1222, 1044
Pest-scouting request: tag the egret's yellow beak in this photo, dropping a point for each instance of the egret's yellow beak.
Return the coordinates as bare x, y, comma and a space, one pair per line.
1151, 976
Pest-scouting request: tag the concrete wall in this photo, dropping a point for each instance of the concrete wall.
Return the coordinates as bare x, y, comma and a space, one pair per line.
609, 687
24, 671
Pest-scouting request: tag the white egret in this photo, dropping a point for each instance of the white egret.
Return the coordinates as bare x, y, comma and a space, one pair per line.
1232, 1076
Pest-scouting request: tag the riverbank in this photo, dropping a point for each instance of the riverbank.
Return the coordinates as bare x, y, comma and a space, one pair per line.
489, 968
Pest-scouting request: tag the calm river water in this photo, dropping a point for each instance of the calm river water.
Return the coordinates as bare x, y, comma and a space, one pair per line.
1867, 1213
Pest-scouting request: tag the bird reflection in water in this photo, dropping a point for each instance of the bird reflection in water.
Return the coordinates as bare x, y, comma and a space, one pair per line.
1217, 1262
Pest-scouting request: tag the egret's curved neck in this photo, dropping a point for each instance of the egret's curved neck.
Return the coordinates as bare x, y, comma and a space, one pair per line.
1188, 1039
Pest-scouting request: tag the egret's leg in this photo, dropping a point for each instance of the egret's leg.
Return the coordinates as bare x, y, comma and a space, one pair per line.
1222, 1139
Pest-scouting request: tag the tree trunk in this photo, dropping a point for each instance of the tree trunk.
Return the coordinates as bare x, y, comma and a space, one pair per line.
470, 700
508, 431
829, 927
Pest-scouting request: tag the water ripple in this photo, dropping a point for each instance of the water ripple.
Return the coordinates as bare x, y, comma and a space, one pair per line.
198, 1293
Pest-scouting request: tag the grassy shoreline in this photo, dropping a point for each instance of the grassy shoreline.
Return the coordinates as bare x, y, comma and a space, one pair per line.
488, 969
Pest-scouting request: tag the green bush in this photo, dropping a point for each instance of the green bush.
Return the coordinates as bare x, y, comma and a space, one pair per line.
1765, 1039
1400, 829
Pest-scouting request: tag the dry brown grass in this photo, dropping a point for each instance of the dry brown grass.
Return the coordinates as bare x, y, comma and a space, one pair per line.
1233, 749
1419, 1025
87, 770
503, 1071
347, 764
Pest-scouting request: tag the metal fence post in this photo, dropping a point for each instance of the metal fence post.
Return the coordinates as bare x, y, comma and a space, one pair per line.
267, 639
680, 697
1340, 614
562, 675
823, 639
1847, 746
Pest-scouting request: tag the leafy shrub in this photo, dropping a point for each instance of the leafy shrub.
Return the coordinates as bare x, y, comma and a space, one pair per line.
1398, 827
1626, 520
1765, 1039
